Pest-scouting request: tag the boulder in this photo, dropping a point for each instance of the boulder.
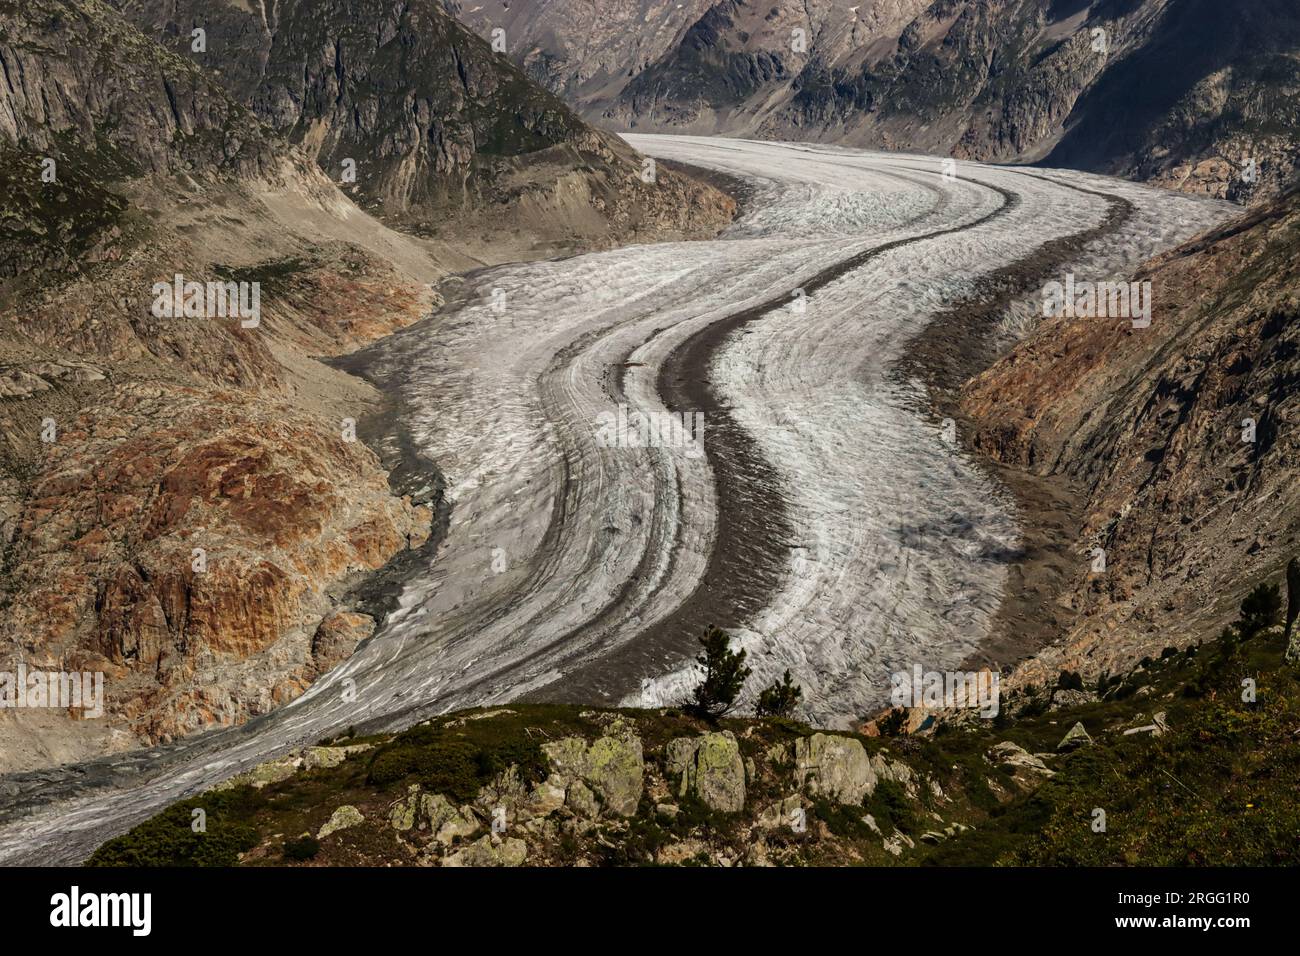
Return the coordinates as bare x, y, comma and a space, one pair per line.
487, 852
506, 790
581, 800
1076, 738
402, 814
447, 823
612, 767
616, 769
1066, 697
432, 812
1008, 754
330, 756
547, 796
894, 844
834, 767
342, 818
667, 812
711, 767
780, 813
1158, 727
265, 774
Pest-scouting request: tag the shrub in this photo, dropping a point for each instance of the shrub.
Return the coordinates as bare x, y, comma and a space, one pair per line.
169, 838
453, 767
846, 822
1069, 680
304, 847
1260, 609
889, 804
780, 699
893, 724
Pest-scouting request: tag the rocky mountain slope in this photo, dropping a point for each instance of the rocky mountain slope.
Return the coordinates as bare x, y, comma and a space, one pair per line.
1183, 771
1180, 438
418, 119
1179, 92
179, 498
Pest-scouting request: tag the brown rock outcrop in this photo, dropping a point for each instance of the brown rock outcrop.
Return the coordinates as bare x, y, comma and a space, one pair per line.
175, 530
1182, 436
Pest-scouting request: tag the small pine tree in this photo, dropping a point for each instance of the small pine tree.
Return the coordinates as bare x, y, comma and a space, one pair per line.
780, 699
1260, 609
724, 675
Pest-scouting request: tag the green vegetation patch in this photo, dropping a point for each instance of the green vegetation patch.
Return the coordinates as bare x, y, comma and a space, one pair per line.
50, 222
174, 837
458, 760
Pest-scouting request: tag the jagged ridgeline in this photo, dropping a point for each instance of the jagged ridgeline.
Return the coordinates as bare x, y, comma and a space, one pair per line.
421, 106
1179, 92
416, 116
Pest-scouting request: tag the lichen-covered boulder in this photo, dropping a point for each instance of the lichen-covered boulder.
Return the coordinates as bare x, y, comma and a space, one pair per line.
834, 767
1076, 738
323, 757
402, 814
342, 818
507, 790
616, 769
580, 799
611, 767
547, 796
711, 767
330, 756
265, 774
445, 821
432, 812
567, 756
487, 852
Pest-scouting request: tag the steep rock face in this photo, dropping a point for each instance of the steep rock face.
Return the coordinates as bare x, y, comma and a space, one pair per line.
418, 117
1180, 92
397, 88
1182, 436
582, 50
63, 116
167, 116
